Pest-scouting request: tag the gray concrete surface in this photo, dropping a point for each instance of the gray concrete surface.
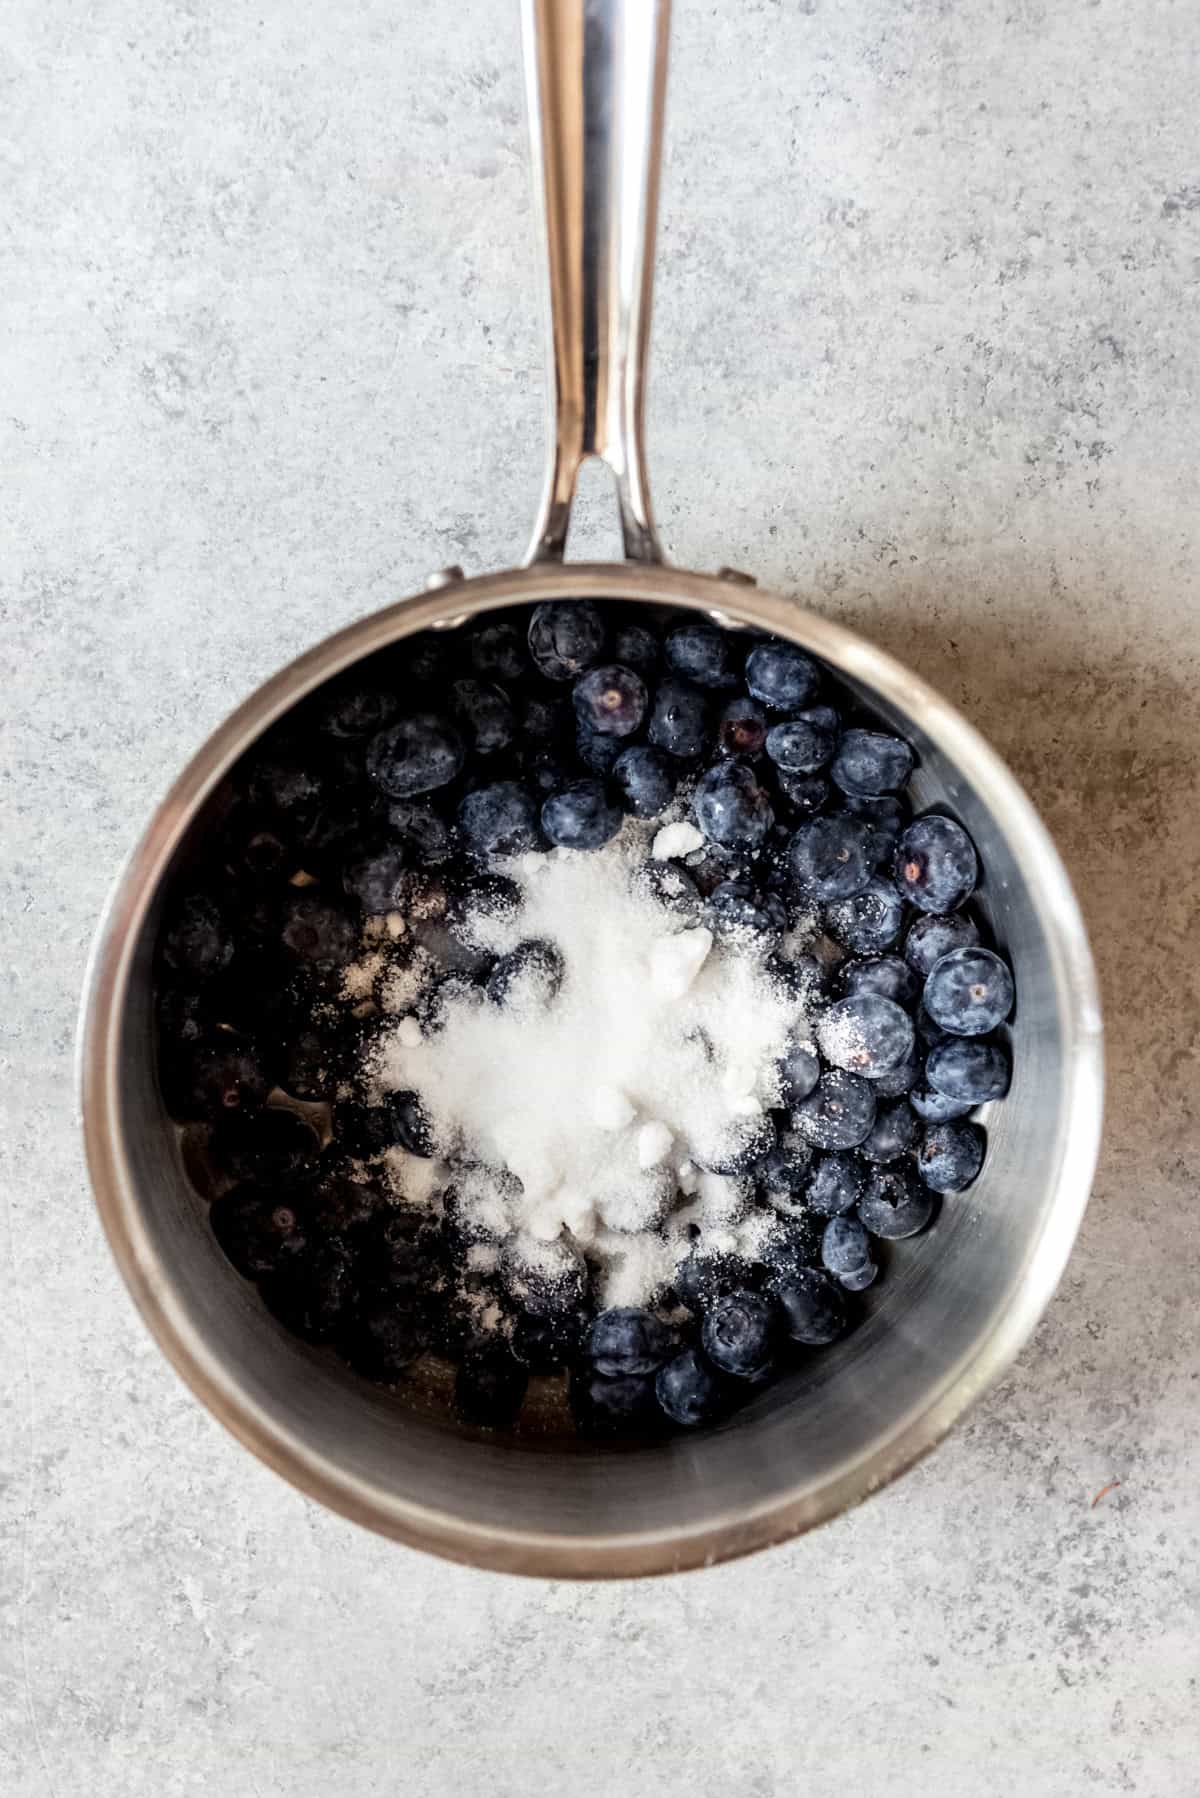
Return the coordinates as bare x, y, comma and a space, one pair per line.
926, 353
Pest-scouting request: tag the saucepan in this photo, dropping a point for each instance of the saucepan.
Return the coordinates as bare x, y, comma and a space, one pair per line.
970, 1292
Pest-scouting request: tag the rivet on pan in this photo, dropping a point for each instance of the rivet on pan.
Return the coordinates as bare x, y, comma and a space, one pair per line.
445, 577
736, 575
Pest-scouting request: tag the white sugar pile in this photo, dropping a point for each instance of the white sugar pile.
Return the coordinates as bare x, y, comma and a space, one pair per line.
655, 1057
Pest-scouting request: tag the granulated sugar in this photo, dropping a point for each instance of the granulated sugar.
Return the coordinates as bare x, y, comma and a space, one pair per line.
606, 1100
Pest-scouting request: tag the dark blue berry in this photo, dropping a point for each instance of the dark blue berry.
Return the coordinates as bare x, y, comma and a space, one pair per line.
377, 878
546, 1344
628, 1340
822, 717
838, 1112
274, 1147
211, 1080
813, 1307
799, 747
424, 657
737, 1147
706, 1274
565, 637
870, 921
256, 1227
689, 1390
483, 715
934, 1107
806, 794
413, 1129
836, 1184
259, 854
886, 975
491, 1383
704, 654
528, 976
742, 727
865, 1034
894, 1204
792, 1240
731, 808
868, 763
892, 1134
969, 992
580, 816
679, 719
673, 888
782, 676
599, 754
543, 720
610, 700
364, 1130
787, 1165
500, 819
846, 1253
351, 710
421, 834
311, 1292
735, 906
936, 867
497, 650
383, 1339
902, 1078
886, 815
798, 1070
415, 755
739, 1334
637, 648
930, 937
623, 1405
968, 1069
318, 933
196, 940
950, 1156
545, 1279
832, 857
646, 779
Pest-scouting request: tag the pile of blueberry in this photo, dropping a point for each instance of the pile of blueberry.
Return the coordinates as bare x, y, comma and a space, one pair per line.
397, 789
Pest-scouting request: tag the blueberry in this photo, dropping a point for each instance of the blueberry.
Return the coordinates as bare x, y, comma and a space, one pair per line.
580, 816
739, 1145
787, 1165
424, 657
836, 1184
731, 808
274, 1147
637, 648
318, 933
546, 1344
443, 995
624, 1405
706, 1274
339, 1206
399, 1254
930, 937
734, 907
610, 700
598, 754
901, 1079
673, 888
936, 866
933, 1107
950, 1156
383, 1339
738, 1334
545, 1279
679, 719
183, 1017
704, 654
565, 637
846, 1253
646, 780
838, 1112
892, 1134
968, 1069
282, 780
790, 1242
799, 747
483, 715
310, 1292
497, 651
813, 1307
886, 815
415, 755
865, 1034
742, 728
196, 940
260, 994
422, 835
543, 719
886, 975
806, 794
413, 1129
352, 709
628, 1340
894, 1204
822, 717
969, 992
376, 877
929, 1032
528, 976
259, 854
713, 863
689, 1390
256, 1227
798, 1070
491, 1383
868, 763
500, 819
213, 1080
870, 921
782, 676
832, 857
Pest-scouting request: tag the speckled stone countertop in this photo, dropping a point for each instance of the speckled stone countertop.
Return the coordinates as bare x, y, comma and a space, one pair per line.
925, 354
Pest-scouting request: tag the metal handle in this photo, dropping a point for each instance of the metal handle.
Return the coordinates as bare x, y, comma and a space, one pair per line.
596, 72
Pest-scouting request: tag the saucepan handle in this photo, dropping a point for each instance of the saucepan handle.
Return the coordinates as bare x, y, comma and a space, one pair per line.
596, 76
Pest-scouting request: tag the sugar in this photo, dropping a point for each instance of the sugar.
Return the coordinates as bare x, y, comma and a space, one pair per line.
675, 840
658, 1045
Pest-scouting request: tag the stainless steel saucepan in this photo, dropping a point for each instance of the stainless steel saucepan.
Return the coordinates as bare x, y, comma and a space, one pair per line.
967, 1295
